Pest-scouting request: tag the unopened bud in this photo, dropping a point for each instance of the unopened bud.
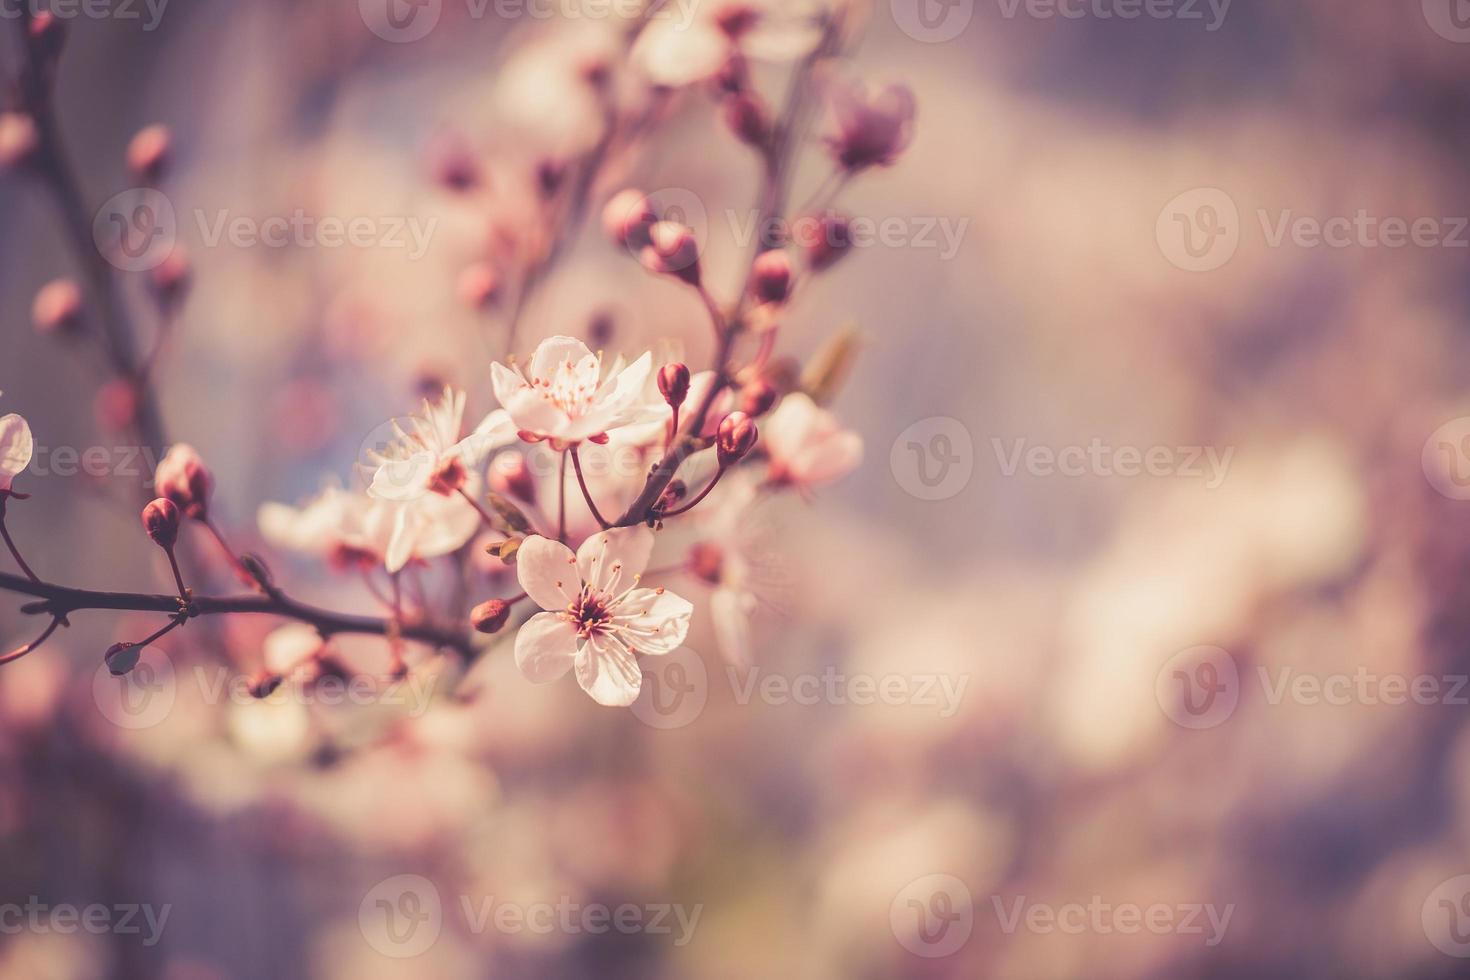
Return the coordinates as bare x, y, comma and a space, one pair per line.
149, 153
57, 307
600, 330
672, 251
628, 218
183, 478
771, 279
161, 521
19, 139
265, 685
116, 405
47, 34
831, 241
121, 658
735, 439
757, 397
452, 164
170, 278
490, 617
748, 119
676, 491
550, 175
673, 382
479, 286
735, 20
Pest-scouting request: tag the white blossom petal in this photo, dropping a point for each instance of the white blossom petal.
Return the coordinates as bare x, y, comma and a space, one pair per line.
657, 621
548, 572
608, 671
610, 560
546, 648
16, 448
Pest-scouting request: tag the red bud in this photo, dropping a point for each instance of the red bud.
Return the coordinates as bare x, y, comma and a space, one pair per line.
161, 521
673, 381
121, 658
149, 153
772, 276
735, 439
57, 307
627, 219
490, 617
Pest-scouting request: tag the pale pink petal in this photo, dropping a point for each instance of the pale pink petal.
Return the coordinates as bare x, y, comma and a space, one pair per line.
16, 448
404, 479
400, 541
505, 382
654, 621
610, 560
557, 351
608, 672
546, 648
831, 459
548, 572
529, 411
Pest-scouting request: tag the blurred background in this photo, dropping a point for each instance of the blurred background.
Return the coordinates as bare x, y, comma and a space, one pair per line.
1137, 647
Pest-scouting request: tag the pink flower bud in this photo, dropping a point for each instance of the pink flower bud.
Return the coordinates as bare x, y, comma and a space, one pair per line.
748, 119
676, 491
490, 617
831, 241
627, 219
452, 165
170, 279
673, 382
735, 439
510, 476
706, 561
265, 685
479, 286
772, 276
871, 131
757, 397
161, 521
121, 658
149, 152
183, 478
48, 34
550, 175
736, 20
672, 251
57, 307
116, 405
19, 140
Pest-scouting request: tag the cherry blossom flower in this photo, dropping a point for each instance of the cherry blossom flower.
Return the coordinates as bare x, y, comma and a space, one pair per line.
430, 456
565, 397
596, 617
344, 528
692, 45
16, 448
806, 444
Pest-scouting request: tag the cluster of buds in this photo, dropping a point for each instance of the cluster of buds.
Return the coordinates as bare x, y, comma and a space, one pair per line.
664, 247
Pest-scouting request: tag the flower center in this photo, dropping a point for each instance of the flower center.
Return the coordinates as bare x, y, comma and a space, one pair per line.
567, 389
592, 613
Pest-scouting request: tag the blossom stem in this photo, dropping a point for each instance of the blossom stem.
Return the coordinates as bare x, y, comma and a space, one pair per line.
587, 494
15, 655
561, 503
673, 429
697, 500
173, 624
241, 572
479, 508
173, 563
10, 543
717, 318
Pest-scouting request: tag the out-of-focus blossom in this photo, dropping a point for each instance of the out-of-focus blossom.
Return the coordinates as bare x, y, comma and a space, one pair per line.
344, 528
18, 139
564, 396
691, 43
57, 307
872, 130
596, 618
148, 153
807, 445
430, 456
